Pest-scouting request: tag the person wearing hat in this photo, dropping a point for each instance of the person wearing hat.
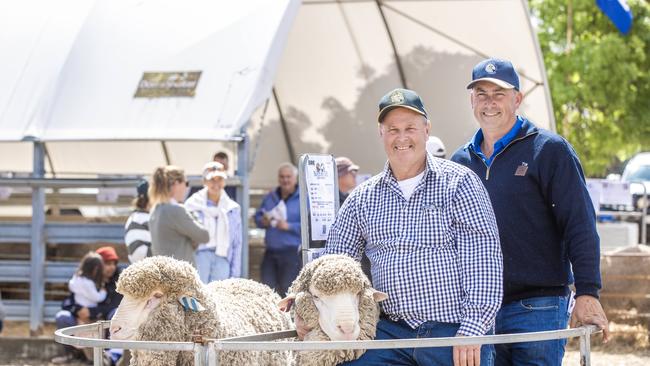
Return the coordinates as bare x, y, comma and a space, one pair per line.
222, 157
220, 257
136, 230
547, 223
435, 147
428, 229
73, 313
347, 173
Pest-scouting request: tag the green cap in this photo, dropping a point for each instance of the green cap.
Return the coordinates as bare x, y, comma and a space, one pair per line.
403, 98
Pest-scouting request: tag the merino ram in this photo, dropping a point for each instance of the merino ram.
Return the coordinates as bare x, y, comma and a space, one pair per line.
335, 298
164, 300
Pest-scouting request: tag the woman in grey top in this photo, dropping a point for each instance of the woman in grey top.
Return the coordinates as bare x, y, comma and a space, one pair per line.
174, 232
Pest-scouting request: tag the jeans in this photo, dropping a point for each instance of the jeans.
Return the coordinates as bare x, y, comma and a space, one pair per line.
388, 329
280, 268
65, 319
532, 315
210, 266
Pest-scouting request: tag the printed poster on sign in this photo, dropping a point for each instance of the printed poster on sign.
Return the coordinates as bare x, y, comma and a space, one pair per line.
320, 189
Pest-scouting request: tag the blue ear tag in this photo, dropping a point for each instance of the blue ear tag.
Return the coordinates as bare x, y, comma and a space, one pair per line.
190, 304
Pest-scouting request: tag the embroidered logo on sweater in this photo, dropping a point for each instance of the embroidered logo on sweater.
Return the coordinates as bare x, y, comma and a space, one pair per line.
521, 169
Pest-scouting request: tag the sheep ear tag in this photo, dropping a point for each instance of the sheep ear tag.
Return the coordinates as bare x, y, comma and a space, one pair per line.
190, 304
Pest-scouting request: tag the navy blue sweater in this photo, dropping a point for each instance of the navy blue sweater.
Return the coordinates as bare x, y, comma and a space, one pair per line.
547, 223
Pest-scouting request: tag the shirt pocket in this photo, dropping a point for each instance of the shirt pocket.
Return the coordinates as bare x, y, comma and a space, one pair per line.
432, 227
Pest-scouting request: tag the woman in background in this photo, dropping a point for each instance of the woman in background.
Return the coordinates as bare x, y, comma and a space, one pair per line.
174, 232
220, 257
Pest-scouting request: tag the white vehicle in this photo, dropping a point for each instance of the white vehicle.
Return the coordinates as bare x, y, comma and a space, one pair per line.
637, 171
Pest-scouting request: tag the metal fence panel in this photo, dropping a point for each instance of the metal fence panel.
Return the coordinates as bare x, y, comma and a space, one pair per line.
207, 351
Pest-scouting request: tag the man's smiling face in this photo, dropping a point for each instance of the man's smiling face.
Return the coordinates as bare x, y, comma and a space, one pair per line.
404, 134
495, 107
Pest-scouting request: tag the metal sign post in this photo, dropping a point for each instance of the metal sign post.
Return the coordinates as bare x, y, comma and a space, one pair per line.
319, 200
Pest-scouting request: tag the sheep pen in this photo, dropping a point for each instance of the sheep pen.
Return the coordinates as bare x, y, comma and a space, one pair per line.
164, 300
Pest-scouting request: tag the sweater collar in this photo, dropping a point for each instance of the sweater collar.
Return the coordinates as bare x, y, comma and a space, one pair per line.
527, 128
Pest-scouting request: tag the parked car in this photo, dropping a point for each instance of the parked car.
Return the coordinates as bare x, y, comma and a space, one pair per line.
637, 173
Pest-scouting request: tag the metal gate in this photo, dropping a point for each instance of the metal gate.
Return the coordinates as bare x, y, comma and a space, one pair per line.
206, 350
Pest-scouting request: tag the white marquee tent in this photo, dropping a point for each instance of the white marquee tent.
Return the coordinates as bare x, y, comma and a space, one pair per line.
71, 69
118, 87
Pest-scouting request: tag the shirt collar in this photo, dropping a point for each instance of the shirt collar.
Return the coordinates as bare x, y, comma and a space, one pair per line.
475, 142
430, 166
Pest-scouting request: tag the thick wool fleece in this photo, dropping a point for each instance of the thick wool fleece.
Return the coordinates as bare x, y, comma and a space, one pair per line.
170, 276
332, 274
234, 307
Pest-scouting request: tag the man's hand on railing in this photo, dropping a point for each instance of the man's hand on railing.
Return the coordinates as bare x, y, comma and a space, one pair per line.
301, 328
467, 355
589, 311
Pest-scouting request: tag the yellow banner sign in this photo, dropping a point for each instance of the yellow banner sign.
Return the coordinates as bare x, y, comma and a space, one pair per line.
168, 84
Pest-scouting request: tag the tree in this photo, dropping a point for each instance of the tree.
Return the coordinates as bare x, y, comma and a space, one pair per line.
599, 79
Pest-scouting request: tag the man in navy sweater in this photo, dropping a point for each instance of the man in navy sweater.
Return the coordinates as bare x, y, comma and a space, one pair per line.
546, 220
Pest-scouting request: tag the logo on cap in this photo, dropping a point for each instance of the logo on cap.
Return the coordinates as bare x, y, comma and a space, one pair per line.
490, 68
397, 97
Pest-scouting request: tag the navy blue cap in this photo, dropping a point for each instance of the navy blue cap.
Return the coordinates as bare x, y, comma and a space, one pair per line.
402, 98
494, 70
142, 188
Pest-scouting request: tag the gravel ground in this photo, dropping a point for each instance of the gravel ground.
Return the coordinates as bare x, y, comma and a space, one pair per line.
599, 358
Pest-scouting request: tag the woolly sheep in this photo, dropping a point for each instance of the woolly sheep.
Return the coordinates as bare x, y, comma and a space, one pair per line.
335, 298
151, 310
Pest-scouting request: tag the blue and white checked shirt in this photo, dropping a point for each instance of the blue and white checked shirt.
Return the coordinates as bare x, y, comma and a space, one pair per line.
437, 255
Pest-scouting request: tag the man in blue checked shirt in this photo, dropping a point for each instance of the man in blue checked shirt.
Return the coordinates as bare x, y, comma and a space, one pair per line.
427, 226
546, 219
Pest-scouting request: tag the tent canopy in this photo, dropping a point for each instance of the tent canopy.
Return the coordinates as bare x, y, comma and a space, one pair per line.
76, 68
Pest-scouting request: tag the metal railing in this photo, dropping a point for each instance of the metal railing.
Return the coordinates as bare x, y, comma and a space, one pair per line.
206, 350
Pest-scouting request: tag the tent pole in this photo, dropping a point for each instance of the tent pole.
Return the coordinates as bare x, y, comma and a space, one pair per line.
168, 160
243, 197
37, 257
285, 129
542, 66
398, 62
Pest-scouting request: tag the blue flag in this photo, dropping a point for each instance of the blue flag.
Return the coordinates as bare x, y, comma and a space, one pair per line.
618, 12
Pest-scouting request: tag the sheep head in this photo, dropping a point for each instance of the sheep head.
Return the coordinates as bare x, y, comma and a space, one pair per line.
154, 285
328, 291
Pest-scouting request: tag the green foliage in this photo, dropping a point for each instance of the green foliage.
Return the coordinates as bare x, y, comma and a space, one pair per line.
599, 79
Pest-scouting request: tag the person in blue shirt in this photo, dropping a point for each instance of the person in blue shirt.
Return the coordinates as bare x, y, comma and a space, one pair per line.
279, 214
546, 220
